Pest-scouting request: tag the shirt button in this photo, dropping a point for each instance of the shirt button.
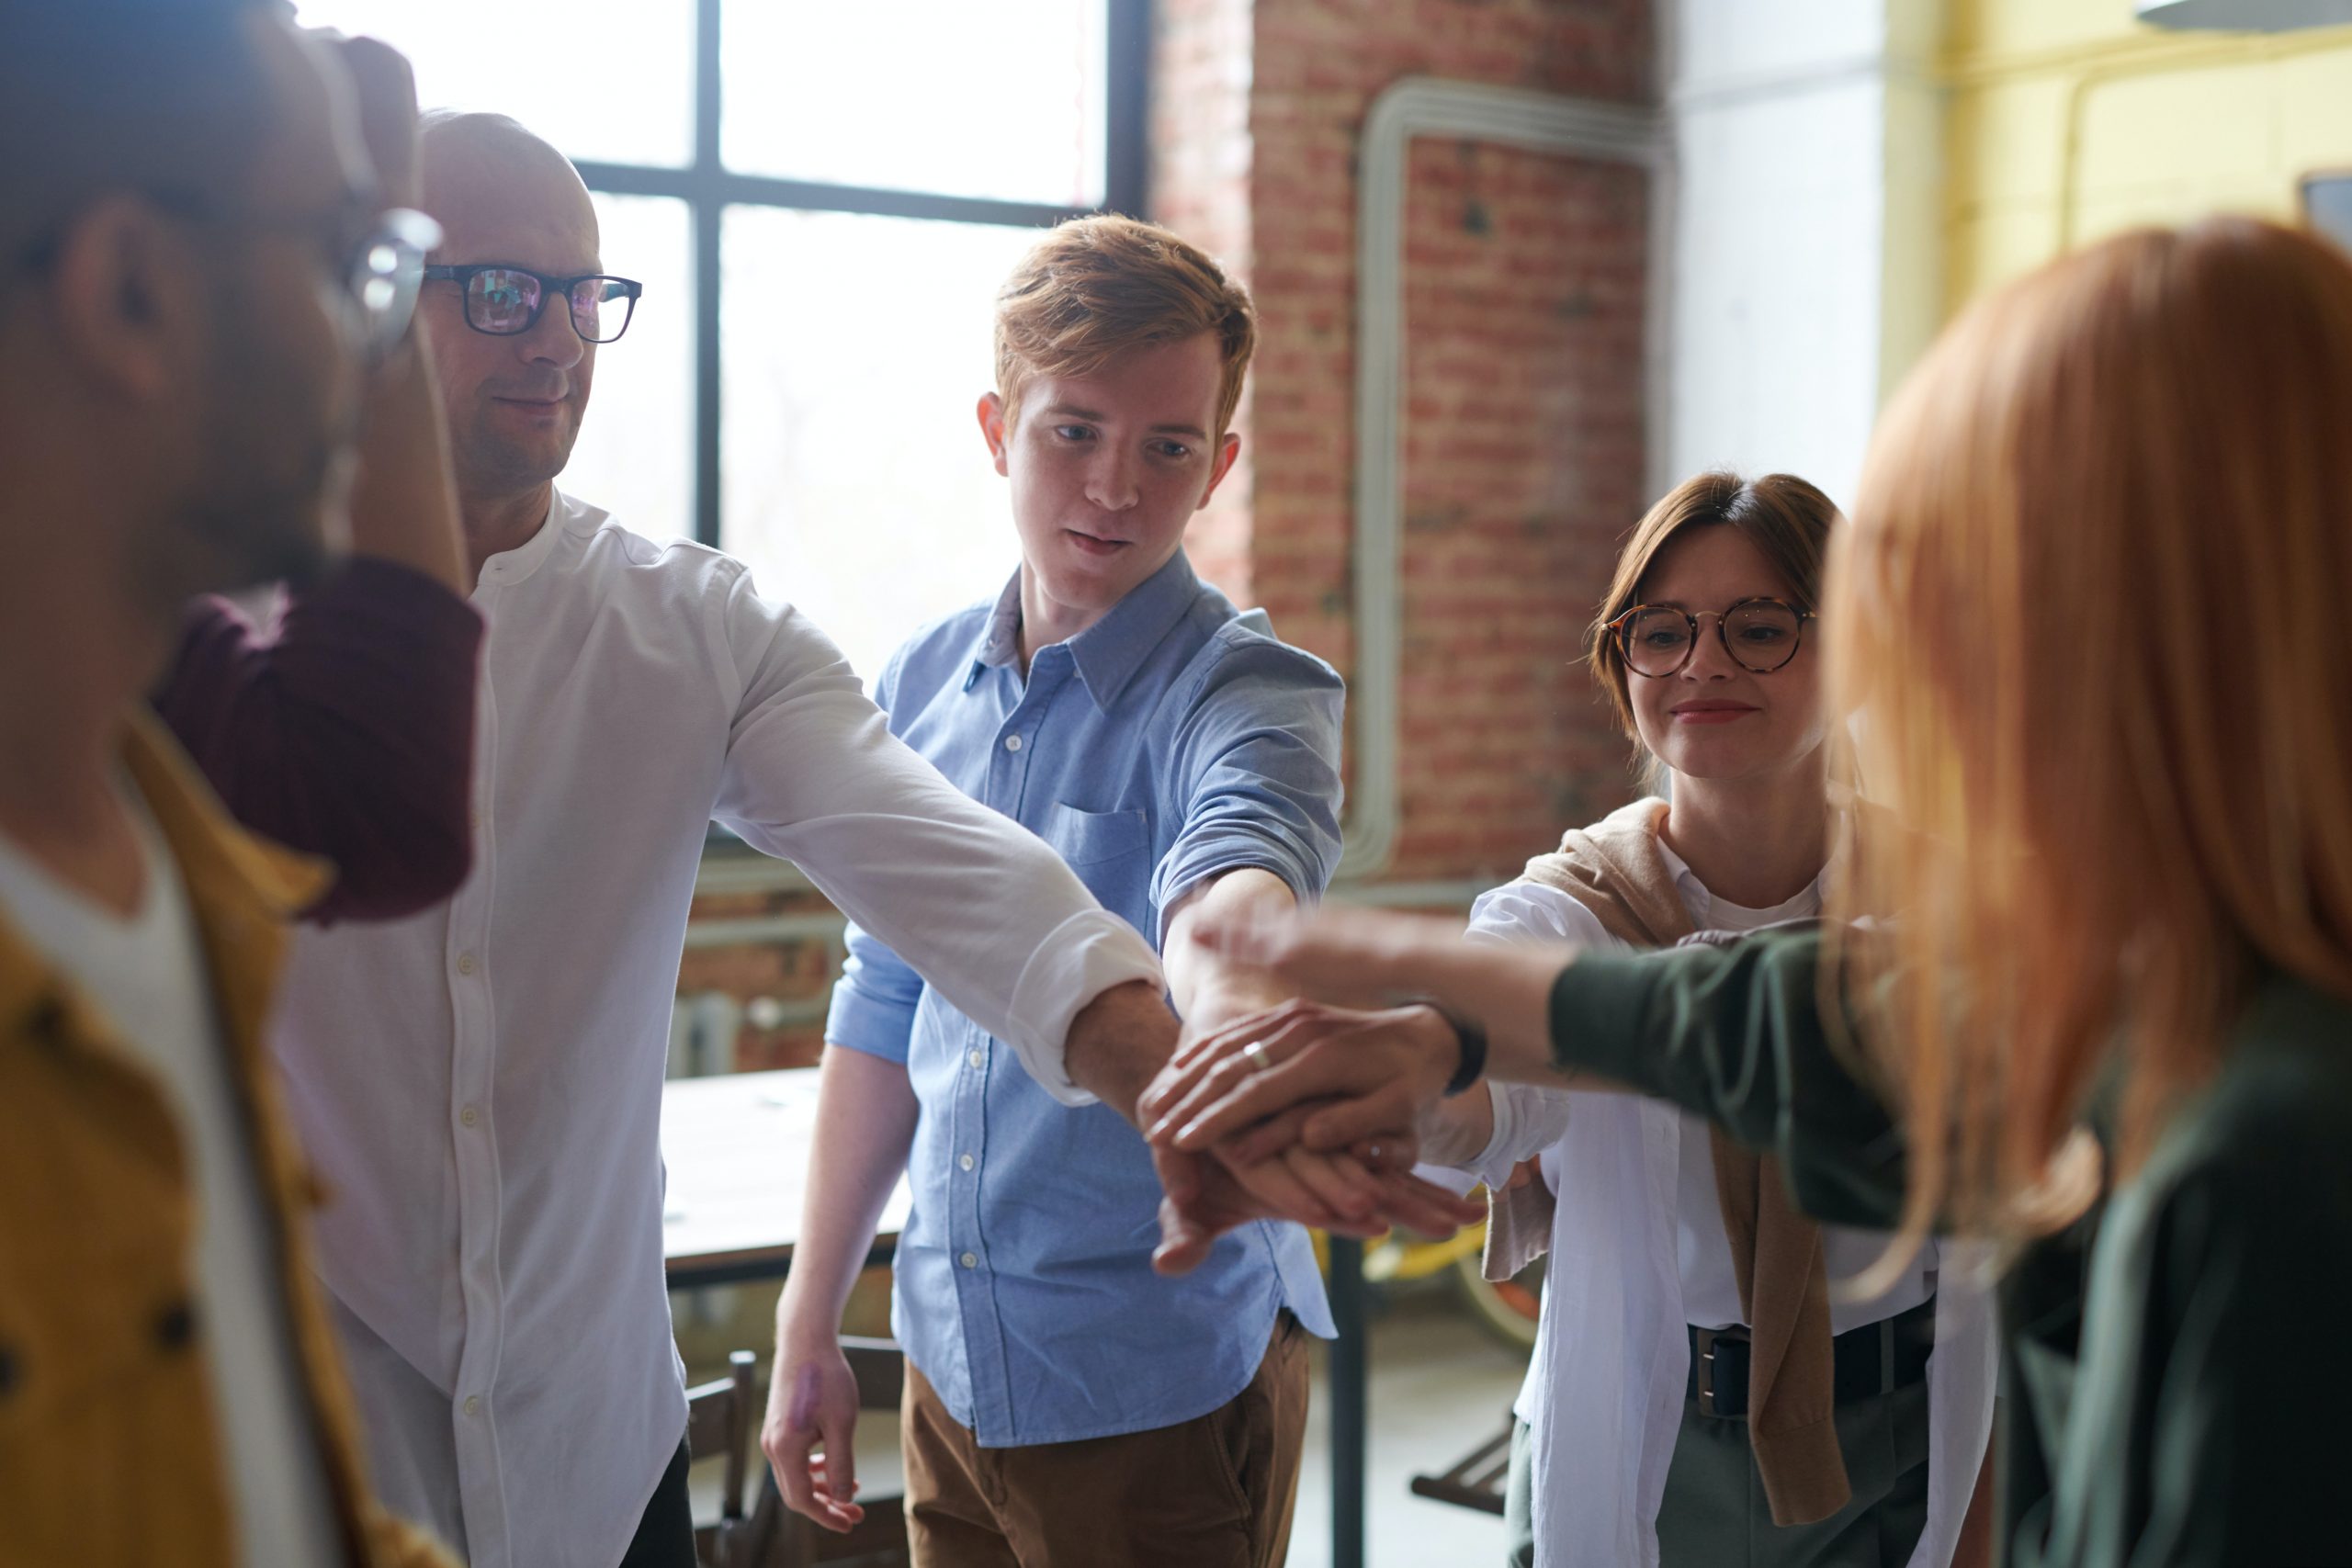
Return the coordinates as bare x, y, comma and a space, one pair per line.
976, 1058
176, 1326
47, 1019
468, 1115
473, 1405
465, 964
966, 1162
1013, 743
970, 1260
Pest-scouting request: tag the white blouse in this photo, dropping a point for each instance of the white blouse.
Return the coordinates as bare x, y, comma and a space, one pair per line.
1638, 1253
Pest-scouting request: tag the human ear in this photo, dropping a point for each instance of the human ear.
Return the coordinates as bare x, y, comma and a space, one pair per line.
1227, 449
128, 298
993, 428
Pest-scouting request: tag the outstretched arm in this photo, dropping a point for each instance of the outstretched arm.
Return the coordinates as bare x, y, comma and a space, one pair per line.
1733, 1033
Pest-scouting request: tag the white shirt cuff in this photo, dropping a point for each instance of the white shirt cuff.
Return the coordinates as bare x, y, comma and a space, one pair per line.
1084, 956
1528, 1120
1493, 1164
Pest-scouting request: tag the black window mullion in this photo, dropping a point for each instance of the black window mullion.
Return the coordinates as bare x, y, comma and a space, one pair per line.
708, 215
1127, 103
708, 188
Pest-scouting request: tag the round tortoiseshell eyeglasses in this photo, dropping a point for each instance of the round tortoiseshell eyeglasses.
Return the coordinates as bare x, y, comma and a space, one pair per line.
1761, 635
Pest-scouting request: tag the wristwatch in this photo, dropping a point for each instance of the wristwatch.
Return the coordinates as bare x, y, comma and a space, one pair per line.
1472, 1039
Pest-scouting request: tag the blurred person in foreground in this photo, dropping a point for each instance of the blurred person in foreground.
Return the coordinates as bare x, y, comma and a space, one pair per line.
2099, 1008
340, 723
196, 267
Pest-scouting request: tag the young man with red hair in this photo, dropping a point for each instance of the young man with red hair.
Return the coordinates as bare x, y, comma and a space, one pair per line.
1065, 1403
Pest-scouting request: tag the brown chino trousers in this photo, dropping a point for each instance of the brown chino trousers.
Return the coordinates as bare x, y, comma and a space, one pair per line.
1214, 1492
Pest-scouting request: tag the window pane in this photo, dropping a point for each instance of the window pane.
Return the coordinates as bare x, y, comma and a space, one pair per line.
636, 453
857, 485
1002, 100
552, 68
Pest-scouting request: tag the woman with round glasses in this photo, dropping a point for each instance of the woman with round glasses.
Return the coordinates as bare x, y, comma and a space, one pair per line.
1652, 1429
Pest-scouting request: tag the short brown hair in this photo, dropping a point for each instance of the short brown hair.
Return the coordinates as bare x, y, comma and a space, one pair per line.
164, 98
1096, 287
1786, 519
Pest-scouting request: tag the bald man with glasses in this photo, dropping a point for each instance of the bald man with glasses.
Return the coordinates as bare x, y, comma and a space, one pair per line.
484, 1080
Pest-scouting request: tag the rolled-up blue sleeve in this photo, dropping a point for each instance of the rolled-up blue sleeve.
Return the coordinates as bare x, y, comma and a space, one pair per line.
1255, 767
874, 1002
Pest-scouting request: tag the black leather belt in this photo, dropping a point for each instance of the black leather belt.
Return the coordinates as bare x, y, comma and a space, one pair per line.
1878, 1358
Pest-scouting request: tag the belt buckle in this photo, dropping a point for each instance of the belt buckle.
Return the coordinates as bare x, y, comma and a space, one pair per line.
1704, 1347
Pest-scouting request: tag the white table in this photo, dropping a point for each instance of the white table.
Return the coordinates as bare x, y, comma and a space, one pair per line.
737, 1148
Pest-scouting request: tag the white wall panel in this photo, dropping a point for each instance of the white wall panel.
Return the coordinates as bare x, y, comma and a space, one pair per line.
1802, 280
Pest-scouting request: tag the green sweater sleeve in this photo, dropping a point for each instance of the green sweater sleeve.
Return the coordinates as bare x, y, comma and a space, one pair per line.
1735, 1034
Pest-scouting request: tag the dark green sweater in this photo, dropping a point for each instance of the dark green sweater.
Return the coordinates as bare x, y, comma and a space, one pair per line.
2177, 1368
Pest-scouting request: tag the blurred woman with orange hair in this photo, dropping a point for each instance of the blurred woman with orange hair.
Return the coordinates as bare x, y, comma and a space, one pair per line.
2092, 617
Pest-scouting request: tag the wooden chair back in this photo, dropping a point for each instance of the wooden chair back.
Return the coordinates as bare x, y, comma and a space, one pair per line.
773, 1535
722, 1419
1477, 1480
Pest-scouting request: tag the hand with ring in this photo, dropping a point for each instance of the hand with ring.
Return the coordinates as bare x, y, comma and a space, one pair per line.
1408, 1051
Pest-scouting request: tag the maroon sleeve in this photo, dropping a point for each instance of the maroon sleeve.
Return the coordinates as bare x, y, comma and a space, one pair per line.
349, 734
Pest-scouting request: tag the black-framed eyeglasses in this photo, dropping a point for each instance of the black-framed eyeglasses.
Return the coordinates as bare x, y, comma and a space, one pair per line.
1760, 634
505, 302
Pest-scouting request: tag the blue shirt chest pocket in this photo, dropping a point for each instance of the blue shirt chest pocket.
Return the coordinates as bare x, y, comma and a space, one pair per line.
1096, 838
1111, 851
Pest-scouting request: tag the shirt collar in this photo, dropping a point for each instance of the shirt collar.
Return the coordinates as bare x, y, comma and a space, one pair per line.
238, 887
1000, 646
1687, 883
508, 568
220, 861
1109, 652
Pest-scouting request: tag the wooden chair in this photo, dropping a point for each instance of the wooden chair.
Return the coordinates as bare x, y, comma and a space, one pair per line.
1478, 1479
721, 1418
773, 1535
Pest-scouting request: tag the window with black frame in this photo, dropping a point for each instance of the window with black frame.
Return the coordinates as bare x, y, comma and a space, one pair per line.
819, 201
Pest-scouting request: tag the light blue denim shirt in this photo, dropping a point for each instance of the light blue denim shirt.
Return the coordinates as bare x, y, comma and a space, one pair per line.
1173, 740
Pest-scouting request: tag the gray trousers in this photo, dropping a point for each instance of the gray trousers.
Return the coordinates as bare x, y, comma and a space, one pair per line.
1714, 1513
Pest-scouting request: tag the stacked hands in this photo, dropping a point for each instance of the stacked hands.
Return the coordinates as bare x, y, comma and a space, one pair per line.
1310, 1111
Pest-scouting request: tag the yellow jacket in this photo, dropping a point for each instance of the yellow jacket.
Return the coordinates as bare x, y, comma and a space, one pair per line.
109, 1446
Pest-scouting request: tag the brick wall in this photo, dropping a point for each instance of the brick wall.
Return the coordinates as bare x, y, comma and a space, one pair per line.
1523, 463
1524, 294
780, 986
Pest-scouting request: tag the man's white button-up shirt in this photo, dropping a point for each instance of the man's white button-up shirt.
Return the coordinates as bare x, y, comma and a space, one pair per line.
481, 1085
